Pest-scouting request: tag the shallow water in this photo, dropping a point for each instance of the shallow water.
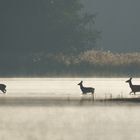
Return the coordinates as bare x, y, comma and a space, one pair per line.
56, 122
66, 86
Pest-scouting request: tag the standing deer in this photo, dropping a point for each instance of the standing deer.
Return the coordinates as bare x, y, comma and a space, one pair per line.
3, 88
134, 88
86, 90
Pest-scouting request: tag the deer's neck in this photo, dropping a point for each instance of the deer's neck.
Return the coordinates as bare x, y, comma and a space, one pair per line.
81, 86
130, 84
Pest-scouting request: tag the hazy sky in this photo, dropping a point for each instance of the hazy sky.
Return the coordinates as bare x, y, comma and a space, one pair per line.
119, 22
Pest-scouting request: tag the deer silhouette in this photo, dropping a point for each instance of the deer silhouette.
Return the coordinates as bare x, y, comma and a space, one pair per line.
86, 90
134, 88
3, 88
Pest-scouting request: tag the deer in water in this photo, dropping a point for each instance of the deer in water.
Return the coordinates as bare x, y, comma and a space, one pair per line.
134, 88
86, 90
3, 88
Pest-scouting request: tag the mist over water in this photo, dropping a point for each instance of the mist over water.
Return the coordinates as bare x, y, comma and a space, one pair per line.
71, 123
21, 122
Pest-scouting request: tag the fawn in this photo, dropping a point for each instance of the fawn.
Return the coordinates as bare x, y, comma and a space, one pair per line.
134, 88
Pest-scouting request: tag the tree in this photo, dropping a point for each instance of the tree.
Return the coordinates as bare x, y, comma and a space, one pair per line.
68, 24
54, 26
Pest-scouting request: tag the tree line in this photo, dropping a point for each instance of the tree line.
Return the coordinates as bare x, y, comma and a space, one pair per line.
53, 26
32, 29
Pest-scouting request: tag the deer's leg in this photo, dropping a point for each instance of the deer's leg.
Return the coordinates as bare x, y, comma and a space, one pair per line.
3, 91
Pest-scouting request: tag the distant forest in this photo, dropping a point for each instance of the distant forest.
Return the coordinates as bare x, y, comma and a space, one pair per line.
56, 38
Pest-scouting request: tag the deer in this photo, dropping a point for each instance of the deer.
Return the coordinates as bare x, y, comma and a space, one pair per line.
3, 88
134, 88
86, 90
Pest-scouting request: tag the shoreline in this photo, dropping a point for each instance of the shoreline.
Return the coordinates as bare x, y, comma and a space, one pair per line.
65, 101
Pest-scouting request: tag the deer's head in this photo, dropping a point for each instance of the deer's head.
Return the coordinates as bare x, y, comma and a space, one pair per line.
128, 81
80, 83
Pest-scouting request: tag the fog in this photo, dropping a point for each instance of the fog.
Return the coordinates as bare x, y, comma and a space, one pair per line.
119, 22
71, 123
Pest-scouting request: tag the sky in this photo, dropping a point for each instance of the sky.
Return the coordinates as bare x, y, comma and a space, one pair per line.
119, 22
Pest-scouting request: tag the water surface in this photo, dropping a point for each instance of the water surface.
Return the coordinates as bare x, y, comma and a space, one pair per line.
56, 122
66, 86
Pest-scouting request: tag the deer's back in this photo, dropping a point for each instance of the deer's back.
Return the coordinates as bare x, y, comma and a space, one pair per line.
88, 90
135, 88
2, 86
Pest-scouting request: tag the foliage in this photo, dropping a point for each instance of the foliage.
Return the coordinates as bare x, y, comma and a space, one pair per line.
46, 26
67, 27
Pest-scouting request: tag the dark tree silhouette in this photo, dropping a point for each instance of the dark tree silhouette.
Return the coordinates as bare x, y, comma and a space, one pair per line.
30, 26
32, 29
